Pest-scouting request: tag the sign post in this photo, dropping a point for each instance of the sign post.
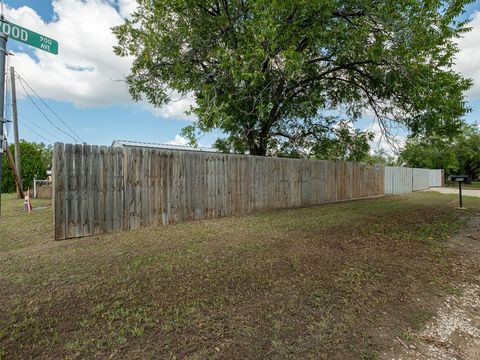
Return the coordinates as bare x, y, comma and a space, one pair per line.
26, 36
460, 193
459, 179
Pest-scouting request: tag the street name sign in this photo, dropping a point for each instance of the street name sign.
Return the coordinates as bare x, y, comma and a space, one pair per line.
28, 37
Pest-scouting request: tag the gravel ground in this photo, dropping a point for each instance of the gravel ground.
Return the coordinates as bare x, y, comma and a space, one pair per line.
454, 332
466, 192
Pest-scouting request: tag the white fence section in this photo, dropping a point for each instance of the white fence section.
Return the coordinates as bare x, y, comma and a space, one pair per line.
436, 178
398, 180
402, 180
421, 179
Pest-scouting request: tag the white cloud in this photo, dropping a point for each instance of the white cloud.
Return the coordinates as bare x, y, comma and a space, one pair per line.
467, 59
179, 140
86, 72
176, 108
127, 7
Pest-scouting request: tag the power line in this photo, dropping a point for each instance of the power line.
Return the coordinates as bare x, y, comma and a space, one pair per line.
31, 129
41, 112
53, 112
37, 126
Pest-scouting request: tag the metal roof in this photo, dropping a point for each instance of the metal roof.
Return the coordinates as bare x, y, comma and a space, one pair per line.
142, 144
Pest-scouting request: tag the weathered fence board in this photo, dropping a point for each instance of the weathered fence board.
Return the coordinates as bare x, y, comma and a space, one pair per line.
104, 189
59, 190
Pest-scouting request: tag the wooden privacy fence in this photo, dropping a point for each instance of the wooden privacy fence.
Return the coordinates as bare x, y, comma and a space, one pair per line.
104, 189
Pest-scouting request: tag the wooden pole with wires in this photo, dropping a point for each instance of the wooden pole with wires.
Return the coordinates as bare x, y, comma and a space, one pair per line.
16, 140
11, 164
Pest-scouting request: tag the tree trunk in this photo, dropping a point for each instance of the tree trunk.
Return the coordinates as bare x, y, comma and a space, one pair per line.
258, 146
258, 150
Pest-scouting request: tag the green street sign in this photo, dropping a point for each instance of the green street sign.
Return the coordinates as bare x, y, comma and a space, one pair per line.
28, 37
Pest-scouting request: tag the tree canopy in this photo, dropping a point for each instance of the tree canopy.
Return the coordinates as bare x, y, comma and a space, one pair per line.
35, 158
381, 156
265, 72
460, 155
336, 141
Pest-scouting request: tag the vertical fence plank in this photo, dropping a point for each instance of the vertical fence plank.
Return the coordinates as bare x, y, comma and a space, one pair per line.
156, 195
97, 187
109, 191
68, 190
136, 212
59, 190
102, 191
144, 180
88, 231
126, 187
164, 180
86, 190
118, 202
72, 216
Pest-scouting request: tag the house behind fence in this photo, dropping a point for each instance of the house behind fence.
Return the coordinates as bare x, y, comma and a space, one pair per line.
99, 189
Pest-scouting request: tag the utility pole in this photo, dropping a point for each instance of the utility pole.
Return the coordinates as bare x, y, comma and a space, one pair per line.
3, 55
15, 131
16, 176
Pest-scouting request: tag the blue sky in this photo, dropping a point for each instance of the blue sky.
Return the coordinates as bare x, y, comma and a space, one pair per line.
93, 102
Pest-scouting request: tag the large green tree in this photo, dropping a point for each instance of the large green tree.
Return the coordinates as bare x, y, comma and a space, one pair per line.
262, 70
35, 159
460, 155
336, 140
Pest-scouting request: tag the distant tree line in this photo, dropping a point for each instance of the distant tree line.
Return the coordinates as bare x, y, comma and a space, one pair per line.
36, 160
458, 155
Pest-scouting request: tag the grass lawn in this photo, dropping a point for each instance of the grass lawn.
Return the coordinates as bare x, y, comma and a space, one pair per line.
338, 281
472, 185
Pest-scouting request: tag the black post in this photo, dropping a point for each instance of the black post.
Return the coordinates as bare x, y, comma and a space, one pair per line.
460, 192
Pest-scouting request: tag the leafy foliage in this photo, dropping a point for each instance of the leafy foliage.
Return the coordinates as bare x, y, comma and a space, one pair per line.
458, 156
35, 158
380, 156
260, 70
331, 141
